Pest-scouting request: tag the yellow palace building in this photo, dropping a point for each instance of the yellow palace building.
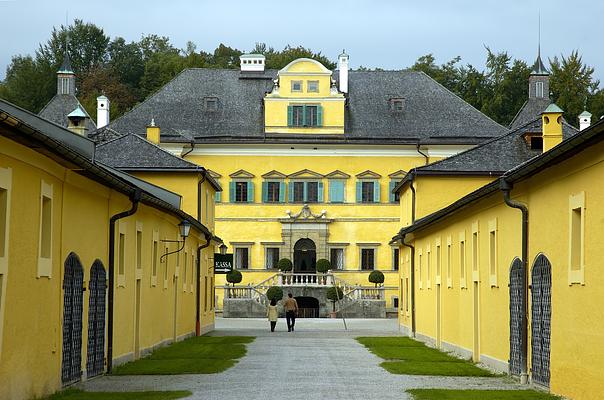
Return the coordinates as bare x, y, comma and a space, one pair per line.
88, 274
505, 272
308, 158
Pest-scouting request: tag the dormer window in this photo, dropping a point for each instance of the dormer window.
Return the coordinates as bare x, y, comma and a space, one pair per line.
210, 104
296, 86
397, 104
534, 140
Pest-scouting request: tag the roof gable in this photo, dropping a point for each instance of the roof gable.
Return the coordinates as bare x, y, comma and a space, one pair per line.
305, 173
337, 174
274, 175
368, 175
242, 174
302, 66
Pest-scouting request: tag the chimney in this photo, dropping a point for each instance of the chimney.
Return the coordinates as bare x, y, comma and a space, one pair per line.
76, 121
551, 120
584, 120
102, 112
252, 62
343, 69
153, 132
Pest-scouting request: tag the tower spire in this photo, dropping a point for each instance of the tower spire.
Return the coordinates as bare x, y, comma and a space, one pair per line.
539, 67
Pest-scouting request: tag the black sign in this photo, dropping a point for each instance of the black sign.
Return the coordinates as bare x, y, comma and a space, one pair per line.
223, 263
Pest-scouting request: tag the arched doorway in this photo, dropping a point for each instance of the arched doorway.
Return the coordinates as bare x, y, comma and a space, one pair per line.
541, 315
305, 256
516, 311
73, 299
308, 307
96, 320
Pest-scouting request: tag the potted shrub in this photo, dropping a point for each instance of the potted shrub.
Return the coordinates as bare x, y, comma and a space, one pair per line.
274, 293
376, 277
334, 294
233, 277
323, 266
285, 265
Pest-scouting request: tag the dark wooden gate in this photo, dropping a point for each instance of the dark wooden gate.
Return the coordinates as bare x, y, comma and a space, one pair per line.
516, 283
73, 298
541, 313
95, 362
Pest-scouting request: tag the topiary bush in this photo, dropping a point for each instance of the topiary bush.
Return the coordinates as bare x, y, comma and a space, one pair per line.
234, 277
376, 277
323, 265
334, 296
274, 293
285, 265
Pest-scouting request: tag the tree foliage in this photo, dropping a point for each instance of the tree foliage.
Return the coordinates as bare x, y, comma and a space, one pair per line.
323, 265
285, 265
234, 277
376, 277
274, 293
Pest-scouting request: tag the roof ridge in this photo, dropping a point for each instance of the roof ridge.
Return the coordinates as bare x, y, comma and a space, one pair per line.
148, 142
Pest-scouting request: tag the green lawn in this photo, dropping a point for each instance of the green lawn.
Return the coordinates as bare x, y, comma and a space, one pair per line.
73, 394
198, 355
444, 394
406, 356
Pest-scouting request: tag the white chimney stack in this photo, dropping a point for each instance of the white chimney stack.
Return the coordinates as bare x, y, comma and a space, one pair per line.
584, 120
343, 69
252, 62
102, 112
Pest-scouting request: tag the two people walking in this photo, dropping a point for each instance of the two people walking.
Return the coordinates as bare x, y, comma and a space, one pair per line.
291, 309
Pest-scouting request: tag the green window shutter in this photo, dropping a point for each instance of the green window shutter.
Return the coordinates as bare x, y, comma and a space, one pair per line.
320, 194
232, 191
281, 192
265, 192
391, 188
305, 197
290, 115
319, 115
359, 192
250, 192
336, 191
290, 194
304, 123
218, 197
376, 191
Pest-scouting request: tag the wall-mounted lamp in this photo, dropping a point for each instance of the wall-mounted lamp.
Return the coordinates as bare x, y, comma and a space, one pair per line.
184, 228
223, 249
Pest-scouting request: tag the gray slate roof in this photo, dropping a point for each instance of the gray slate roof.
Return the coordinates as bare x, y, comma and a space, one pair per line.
132, 152
529, 111
60, 106
495, 156
432, 113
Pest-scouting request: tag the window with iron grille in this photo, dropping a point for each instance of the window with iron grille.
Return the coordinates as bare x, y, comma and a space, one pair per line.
395, 259
272, 257
336, 257
241, 258
241, 191
367, 259
367, 190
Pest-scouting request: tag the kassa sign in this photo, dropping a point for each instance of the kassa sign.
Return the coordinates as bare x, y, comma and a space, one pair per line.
223, 263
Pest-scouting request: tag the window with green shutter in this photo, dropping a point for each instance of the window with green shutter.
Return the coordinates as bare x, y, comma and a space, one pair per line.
271, 191
336, 190
241, 192
306, 192
394, 197
368, 191
218, 197
304, 115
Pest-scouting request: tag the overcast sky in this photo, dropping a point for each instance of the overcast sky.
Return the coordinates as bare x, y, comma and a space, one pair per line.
382, 33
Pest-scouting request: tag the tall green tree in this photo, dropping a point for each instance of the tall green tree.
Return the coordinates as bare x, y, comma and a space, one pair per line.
572, 84
29, 83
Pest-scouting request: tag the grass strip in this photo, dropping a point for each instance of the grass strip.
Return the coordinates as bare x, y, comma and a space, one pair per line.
75, 394
444, 394
406, 356
197, 355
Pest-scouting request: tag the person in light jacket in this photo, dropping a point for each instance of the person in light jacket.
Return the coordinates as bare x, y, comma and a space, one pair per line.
272, 313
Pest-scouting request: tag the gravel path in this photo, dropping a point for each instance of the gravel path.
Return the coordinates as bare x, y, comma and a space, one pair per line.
318, 361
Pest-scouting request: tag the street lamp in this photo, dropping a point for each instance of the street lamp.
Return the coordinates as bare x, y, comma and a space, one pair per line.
223, 249
184, 227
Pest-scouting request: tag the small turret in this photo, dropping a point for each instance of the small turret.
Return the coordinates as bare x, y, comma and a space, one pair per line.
343, 71
584, 120
66, 77
76, 121
539, 79
102, 111
551, 118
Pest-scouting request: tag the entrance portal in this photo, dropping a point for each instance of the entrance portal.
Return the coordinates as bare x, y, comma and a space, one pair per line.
305, 256
308, 307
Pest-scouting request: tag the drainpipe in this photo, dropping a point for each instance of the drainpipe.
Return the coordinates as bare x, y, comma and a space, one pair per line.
198, 294
412, 279
506, 187
199, 185
423, 154
135, 199
189, 150
412, 196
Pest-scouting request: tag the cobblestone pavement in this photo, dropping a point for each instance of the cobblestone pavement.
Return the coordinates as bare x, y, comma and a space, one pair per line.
318, 361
